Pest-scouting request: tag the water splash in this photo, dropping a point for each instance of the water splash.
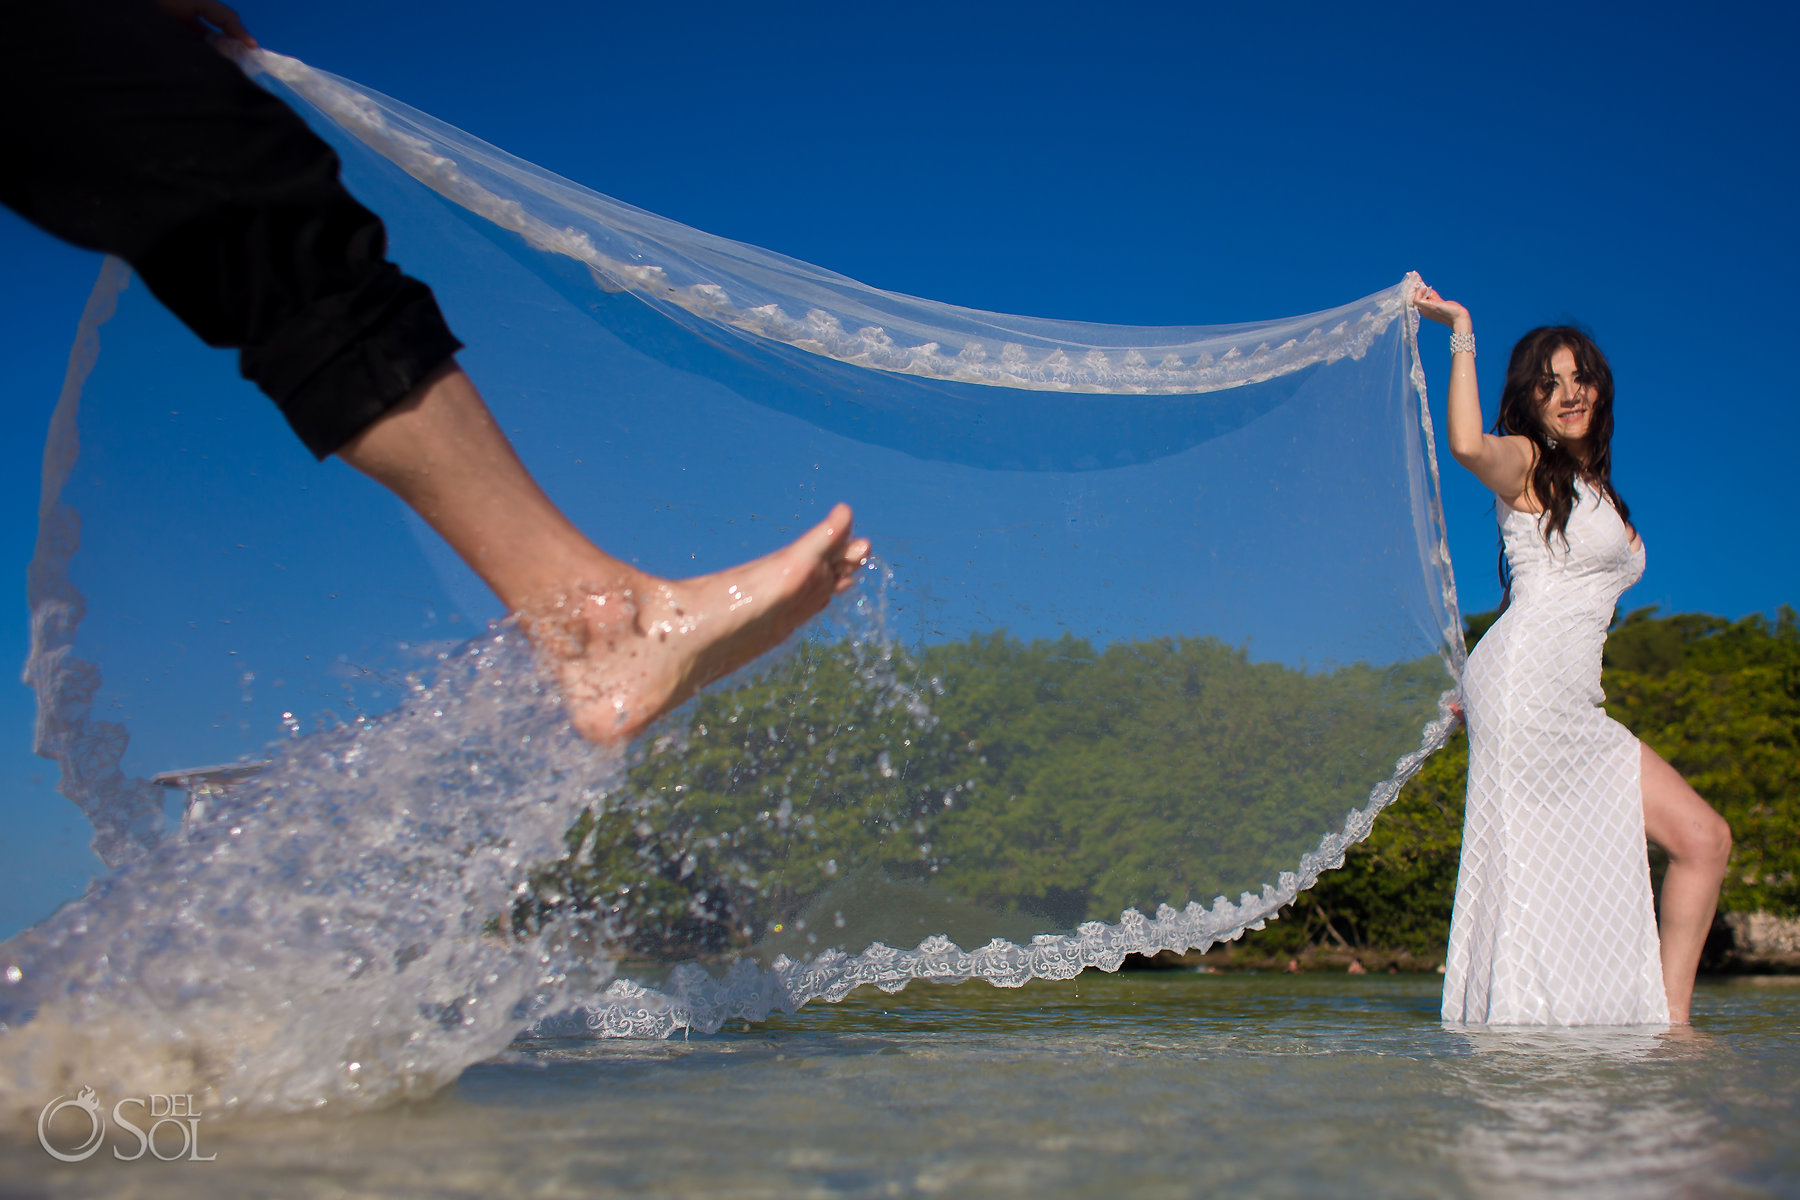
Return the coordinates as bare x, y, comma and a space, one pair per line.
340, 928
331, 930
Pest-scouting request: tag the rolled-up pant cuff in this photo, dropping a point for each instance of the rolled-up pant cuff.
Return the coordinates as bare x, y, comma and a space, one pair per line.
329, 388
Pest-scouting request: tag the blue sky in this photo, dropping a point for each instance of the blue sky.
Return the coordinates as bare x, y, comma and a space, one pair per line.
1627, 167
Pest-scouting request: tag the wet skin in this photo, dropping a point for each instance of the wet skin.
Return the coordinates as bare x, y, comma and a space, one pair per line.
625, 646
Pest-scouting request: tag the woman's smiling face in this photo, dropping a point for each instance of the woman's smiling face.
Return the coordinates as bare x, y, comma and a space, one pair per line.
1567, 398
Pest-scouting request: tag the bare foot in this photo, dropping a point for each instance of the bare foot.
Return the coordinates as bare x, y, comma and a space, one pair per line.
627, 648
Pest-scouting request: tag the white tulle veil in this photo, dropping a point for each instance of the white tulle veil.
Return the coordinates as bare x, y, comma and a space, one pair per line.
1163, 618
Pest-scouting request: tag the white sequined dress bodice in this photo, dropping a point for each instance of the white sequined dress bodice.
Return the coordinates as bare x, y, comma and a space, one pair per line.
1554, 922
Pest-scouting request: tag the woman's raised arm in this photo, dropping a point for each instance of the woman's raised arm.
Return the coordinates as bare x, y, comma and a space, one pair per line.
1502, 463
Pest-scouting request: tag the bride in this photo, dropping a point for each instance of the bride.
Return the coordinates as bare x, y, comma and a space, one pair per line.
1553, 921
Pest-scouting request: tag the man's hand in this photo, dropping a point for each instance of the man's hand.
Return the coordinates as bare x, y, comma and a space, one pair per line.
209, 16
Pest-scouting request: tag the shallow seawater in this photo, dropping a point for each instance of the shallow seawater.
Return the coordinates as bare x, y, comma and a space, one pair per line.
1154, 1084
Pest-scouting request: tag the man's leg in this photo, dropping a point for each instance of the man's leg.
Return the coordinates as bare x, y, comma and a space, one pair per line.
626, 646
122, 132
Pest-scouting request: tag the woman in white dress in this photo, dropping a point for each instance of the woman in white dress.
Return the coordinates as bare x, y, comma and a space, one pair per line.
1553, 922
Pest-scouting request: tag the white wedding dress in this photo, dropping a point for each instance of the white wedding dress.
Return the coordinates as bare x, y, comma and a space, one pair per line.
1554, 923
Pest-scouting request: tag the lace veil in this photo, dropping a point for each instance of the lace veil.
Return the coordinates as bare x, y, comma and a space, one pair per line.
1163, 616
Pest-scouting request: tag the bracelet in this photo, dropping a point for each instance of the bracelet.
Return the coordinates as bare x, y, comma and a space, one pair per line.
1460, 342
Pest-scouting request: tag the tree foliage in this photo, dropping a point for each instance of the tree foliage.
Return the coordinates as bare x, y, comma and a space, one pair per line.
1719, 699
1055, 783
1045, 781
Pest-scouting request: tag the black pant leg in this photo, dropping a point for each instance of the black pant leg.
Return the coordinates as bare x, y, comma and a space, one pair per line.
122, 132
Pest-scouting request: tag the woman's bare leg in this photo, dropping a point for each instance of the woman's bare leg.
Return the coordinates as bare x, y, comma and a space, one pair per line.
1698, 843
626, 646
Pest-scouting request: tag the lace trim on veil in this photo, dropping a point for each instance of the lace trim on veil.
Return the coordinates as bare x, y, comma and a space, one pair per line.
126, 813
913, 336
694, 999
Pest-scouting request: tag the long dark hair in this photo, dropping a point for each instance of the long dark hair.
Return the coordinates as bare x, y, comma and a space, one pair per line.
1553, 476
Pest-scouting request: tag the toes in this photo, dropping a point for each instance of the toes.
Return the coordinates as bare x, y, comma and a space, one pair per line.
854, 556
847, 568
843, 569
831, 533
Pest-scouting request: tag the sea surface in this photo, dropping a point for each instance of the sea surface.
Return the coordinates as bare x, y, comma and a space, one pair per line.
1151, 1084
